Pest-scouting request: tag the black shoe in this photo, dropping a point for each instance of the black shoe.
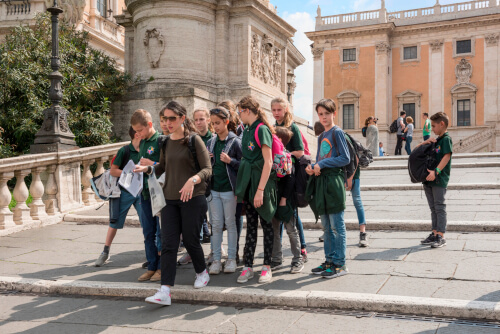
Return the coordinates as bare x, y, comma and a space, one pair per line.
276, 265
362, 240
438, 242
321, 268
206, 239
429, 240
321, 239
145, 265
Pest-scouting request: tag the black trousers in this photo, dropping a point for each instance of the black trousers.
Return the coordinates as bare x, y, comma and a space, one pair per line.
399, 145
251, 238
181, 218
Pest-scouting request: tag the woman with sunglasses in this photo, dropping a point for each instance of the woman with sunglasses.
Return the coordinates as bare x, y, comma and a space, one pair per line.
225, 154
184, 192
256, 185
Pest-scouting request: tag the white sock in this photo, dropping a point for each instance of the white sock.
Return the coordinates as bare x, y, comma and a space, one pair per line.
165, 289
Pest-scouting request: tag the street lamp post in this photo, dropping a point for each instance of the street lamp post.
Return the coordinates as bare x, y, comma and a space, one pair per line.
55, 134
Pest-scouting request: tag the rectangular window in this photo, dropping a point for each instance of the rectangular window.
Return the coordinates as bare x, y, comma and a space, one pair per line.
464, 46
102, 7
409, 108
349, 54
410, 52
348, 116
463, 113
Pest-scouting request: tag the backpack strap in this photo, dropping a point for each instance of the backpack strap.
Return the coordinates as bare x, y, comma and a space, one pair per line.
229, 145
338, 152
126, 157
192, 149
256, 135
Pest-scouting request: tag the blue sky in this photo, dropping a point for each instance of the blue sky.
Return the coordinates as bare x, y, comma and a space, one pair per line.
301, 15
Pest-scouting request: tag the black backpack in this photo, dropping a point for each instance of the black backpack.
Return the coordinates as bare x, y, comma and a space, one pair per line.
301, 178
420, 160
363, 131
394, 126
349, 169
365, 156
192, 148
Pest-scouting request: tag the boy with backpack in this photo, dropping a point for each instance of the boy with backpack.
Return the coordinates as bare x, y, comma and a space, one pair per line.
326, 190
437, 180
126, 200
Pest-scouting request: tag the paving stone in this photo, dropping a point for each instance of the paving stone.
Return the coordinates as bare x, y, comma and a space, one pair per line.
380, 255
482, 245
479, 269
439, 255
469, 290
411, 286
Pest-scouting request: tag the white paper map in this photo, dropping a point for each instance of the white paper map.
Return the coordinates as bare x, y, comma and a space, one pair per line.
130, 181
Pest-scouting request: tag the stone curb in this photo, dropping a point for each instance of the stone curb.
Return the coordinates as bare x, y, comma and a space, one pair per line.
455, 156
418, 186
372, 225
453, 165
454, 308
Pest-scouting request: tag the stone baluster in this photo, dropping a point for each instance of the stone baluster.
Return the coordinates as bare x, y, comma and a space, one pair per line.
37, 207
21, 194
88, 196
6, 216
100, 169
51, 205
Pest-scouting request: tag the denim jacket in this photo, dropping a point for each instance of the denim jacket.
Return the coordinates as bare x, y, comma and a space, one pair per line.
233, 149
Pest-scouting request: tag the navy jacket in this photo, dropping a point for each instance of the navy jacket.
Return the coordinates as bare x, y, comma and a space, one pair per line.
233, 149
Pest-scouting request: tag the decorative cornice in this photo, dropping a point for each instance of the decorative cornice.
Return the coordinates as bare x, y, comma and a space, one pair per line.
491, 39
317, 53
436, 45
382, 47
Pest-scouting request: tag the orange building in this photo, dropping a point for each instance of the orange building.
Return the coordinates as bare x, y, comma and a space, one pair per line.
441, 58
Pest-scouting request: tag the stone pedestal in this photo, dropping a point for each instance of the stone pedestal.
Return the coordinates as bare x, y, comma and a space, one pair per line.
68, 180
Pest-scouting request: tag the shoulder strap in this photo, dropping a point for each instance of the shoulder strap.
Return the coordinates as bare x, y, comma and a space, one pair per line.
229, 145
192, 149
256, 135
126, 157
335, 141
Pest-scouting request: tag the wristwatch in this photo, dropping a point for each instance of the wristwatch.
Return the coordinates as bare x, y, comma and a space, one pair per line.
195, 180
438, 171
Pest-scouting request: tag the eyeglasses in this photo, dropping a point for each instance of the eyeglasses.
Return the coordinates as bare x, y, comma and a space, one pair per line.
240, 110
218, 111
169, 119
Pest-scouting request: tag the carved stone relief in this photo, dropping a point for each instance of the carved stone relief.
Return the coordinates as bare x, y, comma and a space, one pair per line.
266, 62
155, 46
463, 71
491, 39
73, 9
382, 47
436, 45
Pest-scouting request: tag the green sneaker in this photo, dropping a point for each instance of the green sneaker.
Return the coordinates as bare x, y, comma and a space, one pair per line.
320, 269
335, 271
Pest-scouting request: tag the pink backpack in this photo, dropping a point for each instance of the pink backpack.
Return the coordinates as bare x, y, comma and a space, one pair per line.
282, 160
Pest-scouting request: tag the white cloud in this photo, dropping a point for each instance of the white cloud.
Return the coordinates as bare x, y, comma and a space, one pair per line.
303, 99
364, 5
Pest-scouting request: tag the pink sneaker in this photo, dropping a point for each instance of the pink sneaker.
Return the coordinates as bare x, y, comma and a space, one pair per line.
265, 275
246, 274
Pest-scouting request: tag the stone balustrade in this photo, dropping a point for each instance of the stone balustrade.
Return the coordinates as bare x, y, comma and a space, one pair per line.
407, 17
57, 185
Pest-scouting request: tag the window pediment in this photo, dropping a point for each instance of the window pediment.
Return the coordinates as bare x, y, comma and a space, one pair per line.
409, 93
464, 88
348, 95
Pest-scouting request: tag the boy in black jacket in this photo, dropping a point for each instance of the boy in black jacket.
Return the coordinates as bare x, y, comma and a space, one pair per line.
285, 214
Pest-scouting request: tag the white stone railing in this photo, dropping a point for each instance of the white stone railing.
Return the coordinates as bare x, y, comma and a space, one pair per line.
412, 16
58, 185
470, 142
19, 10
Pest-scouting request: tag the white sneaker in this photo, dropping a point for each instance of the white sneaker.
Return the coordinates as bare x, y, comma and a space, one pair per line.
210, 258
202, 280
215, 268
246, 274
185, 259
161, 298
230, 266
265, 275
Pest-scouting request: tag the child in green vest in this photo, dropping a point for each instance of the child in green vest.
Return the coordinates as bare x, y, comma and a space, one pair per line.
326, 190
437, 180
256, 186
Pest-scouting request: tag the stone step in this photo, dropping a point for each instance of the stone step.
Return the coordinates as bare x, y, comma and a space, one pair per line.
454, 165
455, 156
437, 307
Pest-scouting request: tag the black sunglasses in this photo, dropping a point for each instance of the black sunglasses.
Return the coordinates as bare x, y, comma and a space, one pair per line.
171, 118
218, 111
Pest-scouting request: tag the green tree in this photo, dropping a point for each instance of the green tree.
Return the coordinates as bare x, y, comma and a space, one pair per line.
92, 81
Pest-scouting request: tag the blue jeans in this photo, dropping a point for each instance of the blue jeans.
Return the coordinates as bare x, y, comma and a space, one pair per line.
223, 211
335, 238
427, 137
408, 145
356, 199
150, 229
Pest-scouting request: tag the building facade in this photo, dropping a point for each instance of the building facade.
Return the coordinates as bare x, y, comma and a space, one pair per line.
203, 52
95, 16
426, 60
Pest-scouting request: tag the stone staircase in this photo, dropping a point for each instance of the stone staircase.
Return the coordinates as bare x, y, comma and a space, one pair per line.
479, 142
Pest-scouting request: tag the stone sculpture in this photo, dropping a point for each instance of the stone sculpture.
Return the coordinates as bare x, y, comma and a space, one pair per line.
155, 46
73, 10
463, 71
266, 61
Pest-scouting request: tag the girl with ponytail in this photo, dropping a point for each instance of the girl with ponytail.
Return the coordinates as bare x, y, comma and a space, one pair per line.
184, 191
256, 185
225, 153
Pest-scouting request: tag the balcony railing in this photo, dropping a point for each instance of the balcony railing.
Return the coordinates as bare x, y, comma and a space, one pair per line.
412, 16
58, 184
